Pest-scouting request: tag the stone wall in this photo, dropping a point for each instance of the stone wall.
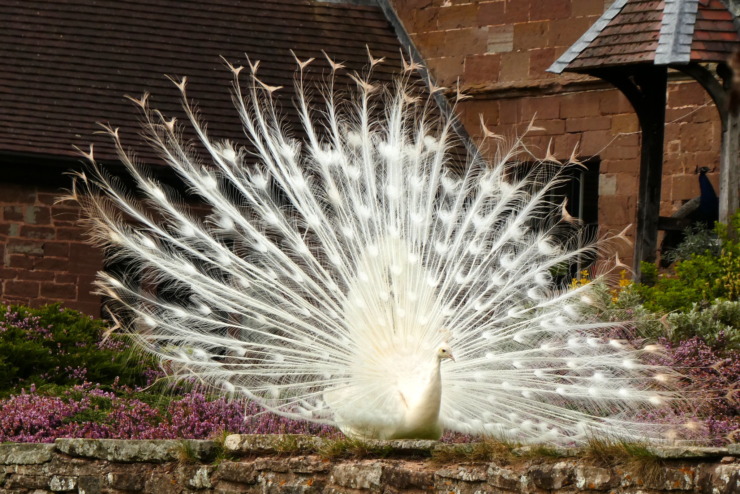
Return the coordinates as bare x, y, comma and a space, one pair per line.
295, 464
43, 254
499, 51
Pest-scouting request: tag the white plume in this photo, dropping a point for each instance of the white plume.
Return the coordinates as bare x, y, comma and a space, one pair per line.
333, 278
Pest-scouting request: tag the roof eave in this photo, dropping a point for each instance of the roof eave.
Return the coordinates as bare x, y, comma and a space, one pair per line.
561, 64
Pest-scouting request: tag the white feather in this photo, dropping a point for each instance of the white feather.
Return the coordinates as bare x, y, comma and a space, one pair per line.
337, 304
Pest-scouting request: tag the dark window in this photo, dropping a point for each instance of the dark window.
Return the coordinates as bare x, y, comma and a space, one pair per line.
580, 187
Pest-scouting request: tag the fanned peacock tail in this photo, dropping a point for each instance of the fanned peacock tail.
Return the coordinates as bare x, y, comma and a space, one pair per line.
329, 270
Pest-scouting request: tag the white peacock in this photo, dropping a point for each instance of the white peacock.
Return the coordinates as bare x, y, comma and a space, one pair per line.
334, 278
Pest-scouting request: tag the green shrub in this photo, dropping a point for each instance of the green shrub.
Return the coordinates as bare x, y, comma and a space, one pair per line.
696, 281
51, 346
718, 324
698, 240
699, 279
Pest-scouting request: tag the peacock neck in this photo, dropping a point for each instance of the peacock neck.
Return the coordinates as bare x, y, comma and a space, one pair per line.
422, 415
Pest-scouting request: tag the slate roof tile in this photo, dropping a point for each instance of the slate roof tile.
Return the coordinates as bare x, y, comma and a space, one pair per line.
662, 32
68, 64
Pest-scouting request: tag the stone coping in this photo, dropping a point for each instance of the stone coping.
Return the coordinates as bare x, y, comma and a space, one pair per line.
264, 443
159, 451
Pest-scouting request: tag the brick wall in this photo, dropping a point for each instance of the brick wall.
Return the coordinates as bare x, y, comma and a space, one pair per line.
499, 50
43, 254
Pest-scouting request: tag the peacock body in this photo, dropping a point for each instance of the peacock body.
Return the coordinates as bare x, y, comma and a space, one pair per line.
334, 278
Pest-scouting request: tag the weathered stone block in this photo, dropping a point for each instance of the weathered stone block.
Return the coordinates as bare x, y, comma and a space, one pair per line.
514, 66
271, 443
164, 484
125, 481
719, 479
242, 473
594, 478
89, 485
62, 483
539, 61
529, 35
27, 482
25, 454
554, 476
503, 478
670, 478
200, 478
403, 478
271, 464
118, 450
586, 124
288, 484
490, 13
224, 487
467, 474
554, 9
457, 16
357, 475
515, 11
480, 69
688, 452
308, 465
500, 39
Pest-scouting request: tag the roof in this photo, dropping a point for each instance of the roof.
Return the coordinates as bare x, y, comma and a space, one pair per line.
68, 64
660, 32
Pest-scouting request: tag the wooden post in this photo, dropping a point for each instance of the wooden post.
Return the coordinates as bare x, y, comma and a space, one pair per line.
652, 120
729, 168
645, 87
720, 88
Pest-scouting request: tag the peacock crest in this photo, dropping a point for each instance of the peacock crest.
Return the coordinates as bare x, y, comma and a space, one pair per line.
362, 277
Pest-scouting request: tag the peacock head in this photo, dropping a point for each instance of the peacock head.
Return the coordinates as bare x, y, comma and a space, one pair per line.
444, 351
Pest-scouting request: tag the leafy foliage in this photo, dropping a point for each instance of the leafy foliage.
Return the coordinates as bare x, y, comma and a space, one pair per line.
56, 346
698, 240
718, 325
700, 278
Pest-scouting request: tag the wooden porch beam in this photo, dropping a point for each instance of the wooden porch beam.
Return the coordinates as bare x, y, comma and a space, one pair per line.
645, 87
729, 166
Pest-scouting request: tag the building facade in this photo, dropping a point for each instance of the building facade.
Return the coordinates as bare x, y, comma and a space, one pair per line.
498, 51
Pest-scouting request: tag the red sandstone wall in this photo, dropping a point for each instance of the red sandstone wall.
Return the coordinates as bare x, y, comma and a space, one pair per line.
499, 50
43, 256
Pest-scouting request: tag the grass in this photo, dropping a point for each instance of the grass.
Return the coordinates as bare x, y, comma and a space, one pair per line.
186, 452
221, 454
608, 451
352, 448
488, 449
633, 456
539, 451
